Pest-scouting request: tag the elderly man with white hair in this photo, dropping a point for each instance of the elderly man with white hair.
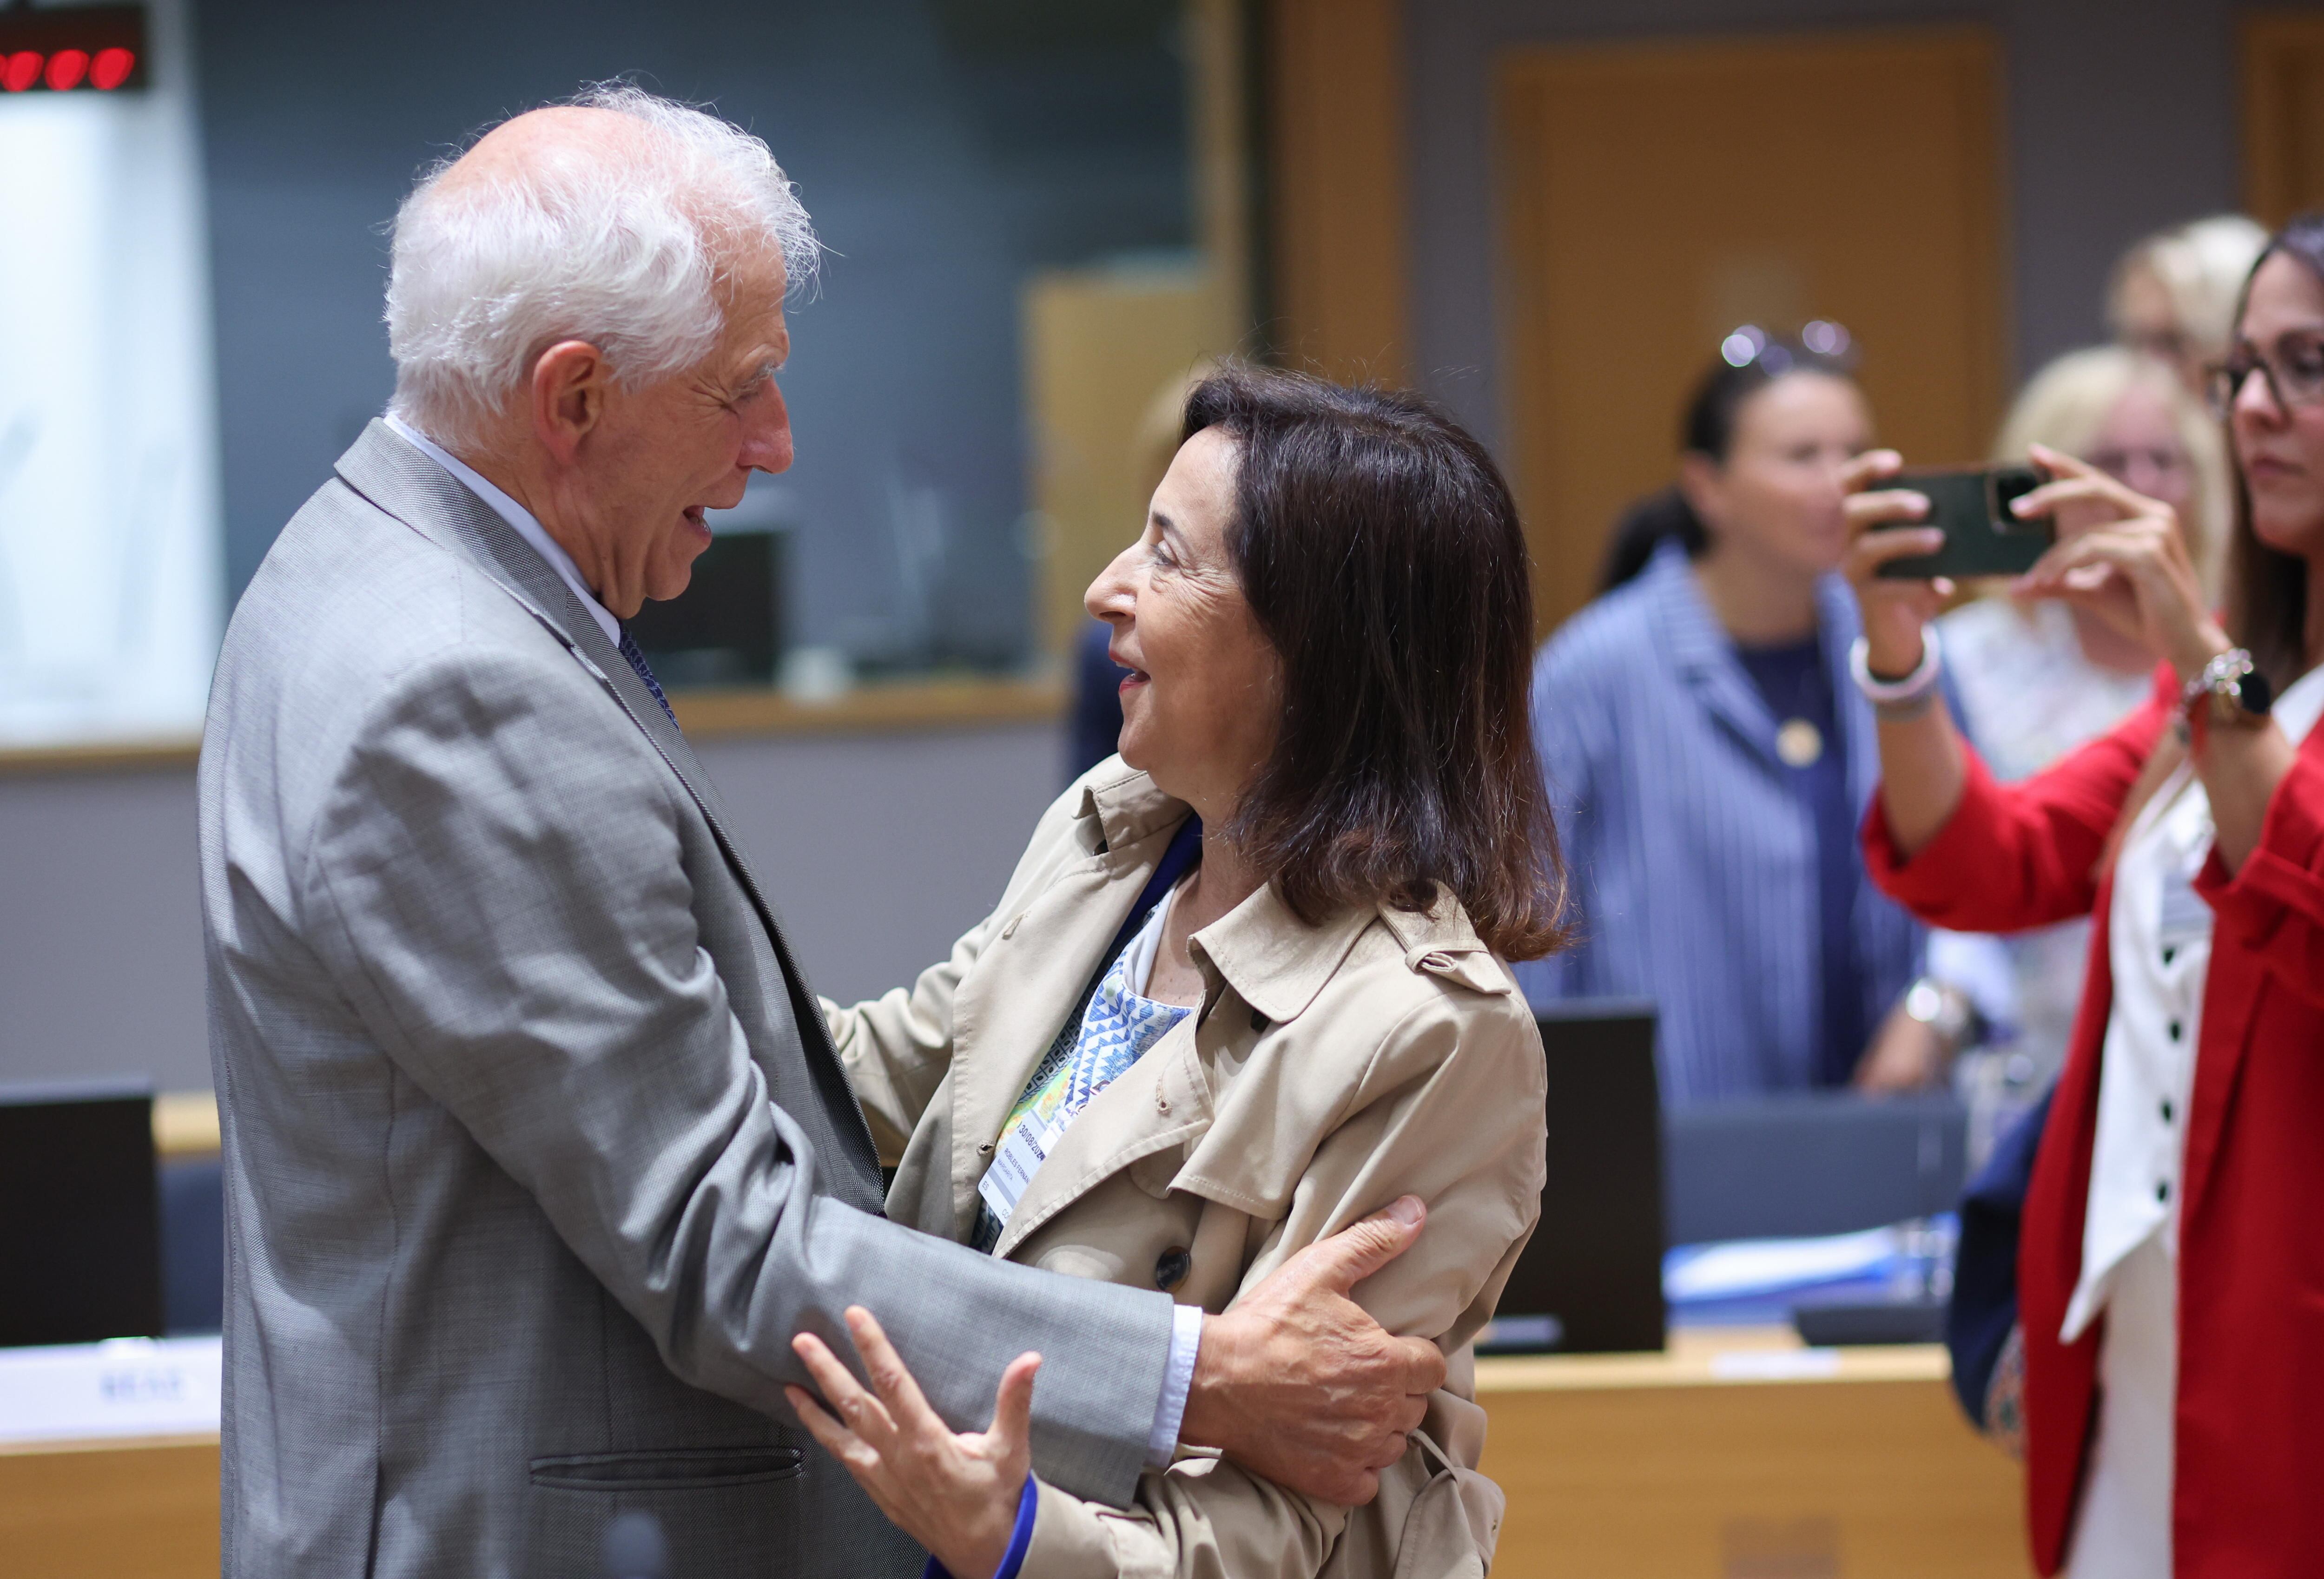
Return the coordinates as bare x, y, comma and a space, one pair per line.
538, 1151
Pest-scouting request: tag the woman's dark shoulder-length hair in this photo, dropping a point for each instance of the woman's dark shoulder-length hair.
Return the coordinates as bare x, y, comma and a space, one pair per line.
1380, 552
2266, 588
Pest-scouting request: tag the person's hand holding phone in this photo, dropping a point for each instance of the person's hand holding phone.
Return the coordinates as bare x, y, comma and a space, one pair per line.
2122, 556
1881, 527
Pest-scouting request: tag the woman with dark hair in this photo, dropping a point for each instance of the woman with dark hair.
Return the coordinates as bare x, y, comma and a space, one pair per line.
2171, 1273
1709, 761
1247, 986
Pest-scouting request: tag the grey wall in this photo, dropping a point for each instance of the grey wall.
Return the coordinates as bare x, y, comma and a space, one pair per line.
946, 147
2121, 118
878, 849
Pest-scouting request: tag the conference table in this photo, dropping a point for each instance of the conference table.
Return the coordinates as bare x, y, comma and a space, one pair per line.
1741, 1455
1736, 1455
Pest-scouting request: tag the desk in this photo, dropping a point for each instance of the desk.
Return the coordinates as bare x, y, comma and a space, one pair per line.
1741, 1455
1738, 1455
136, 1509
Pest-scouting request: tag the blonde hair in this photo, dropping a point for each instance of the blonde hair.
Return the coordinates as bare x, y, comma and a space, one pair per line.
2066, 405
2201, 266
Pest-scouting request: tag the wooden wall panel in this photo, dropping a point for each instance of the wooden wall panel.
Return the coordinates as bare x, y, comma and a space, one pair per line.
2284, 114
1335, 119
1656, 195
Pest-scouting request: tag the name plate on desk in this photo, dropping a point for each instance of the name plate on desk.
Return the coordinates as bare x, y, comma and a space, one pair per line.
128, 1386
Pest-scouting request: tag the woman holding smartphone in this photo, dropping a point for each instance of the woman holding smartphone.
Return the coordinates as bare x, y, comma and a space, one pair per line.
2171, 1276
1710, 761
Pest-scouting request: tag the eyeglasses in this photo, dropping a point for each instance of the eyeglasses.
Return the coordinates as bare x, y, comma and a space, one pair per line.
1819, 338
2294, 375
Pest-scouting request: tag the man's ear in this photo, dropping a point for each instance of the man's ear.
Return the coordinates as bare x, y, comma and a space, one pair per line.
569, 384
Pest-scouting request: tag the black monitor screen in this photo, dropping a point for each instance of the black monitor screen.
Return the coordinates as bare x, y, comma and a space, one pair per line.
79, 1233
1590, 1281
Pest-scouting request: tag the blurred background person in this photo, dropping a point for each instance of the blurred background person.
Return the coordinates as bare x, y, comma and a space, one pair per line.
2171, 1283
2172, 296
1708, 759
2034, 679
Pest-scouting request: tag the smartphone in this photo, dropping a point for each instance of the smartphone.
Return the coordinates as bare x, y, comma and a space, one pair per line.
1972, 507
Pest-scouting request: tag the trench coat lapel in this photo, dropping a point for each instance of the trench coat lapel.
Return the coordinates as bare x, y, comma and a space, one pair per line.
1278, 964
1162, 1100
1009, 1011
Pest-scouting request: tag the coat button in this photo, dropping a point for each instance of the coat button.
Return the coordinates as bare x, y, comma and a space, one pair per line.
1171, 1267
1258, 1021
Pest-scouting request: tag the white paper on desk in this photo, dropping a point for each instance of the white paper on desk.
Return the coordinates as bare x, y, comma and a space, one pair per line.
1764, 1266
128, 1386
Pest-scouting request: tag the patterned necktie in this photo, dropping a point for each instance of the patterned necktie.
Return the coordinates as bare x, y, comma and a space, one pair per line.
637, 658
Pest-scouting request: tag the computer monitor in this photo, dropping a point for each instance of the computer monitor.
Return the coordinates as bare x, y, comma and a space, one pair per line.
1807, 1163
80, 1257
1591, 1279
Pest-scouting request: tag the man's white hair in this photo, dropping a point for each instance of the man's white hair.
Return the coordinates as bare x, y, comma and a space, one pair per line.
625, 246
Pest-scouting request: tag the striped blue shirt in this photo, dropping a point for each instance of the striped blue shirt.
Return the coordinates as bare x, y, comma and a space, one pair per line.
1693, 856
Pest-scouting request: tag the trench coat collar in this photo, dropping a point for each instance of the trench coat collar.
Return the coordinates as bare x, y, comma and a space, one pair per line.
1262, 948
1276, 962
1124, 805
1279, 963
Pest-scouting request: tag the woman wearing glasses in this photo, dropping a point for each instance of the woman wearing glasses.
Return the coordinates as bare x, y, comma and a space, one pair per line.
2036, 678
2172, 1274
1710, 761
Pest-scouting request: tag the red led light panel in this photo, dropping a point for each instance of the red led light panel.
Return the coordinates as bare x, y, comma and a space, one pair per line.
72, 49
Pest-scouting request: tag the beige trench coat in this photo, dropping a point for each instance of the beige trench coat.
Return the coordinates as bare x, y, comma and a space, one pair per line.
1329, 1070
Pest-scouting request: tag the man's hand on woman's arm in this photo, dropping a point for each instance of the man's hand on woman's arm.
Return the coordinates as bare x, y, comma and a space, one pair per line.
1295, 1383
1298, 1384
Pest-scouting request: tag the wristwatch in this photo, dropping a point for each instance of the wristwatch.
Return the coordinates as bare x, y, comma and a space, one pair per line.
2239, 694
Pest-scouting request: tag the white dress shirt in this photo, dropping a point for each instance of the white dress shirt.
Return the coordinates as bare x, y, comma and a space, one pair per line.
517, 516
2159, 949
1186, 1320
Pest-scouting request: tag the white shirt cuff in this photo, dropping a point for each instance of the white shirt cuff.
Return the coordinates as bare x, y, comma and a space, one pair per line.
1177, 1381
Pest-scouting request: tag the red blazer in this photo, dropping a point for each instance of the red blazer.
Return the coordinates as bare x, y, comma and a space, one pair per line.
2249, 1497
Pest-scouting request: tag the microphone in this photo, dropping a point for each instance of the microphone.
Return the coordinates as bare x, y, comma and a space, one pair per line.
634, 1547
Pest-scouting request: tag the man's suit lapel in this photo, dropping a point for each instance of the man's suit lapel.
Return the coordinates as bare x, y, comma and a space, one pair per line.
415, 490
405, 483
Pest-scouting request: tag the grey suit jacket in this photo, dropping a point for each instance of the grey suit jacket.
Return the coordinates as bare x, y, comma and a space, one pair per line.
537, 1149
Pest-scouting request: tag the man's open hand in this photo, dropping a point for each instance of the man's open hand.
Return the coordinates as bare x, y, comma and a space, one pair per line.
1297, 1383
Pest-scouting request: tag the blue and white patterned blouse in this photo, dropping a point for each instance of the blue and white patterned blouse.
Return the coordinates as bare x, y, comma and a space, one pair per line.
1119, 1027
